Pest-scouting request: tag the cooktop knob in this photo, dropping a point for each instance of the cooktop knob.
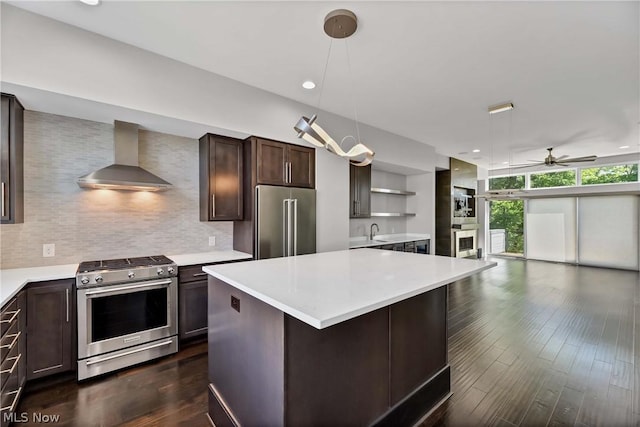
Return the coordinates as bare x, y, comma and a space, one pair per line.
84, 280
131, 275
170, 270
160, 272
98, 279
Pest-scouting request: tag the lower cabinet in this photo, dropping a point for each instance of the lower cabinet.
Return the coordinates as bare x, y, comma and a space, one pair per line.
12, 355
51, 314
192, 296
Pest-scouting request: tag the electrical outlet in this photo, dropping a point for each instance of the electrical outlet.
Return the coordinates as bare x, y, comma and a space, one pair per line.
49, 249
212, 240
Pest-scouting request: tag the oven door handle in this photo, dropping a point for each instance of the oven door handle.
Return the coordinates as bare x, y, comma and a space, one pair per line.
117, 289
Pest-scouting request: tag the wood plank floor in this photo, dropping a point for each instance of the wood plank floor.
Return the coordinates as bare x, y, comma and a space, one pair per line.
531, 344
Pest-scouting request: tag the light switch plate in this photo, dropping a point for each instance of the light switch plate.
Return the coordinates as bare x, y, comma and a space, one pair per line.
49, 249
212, 240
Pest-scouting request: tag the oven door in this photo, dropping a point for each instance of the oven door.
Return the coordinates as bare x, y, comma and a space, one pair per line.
119, 316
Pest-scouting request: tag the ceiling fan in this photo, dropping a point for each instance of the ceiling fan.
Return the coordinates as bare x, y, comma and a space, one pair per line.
550, 160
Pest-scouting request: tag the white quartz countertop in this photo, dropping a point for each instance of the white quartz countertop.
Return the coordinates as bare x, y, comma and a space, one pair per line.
385, 239
14, 279
209, 257
330, 287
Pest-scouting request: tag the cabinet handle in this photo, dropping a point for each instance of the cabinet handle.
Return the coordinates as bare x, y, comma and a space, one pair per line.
284, 171
15, 363
15, 339
199, 274
289, 163
15, 401
67, 294
213, 205
4, 208
15, 314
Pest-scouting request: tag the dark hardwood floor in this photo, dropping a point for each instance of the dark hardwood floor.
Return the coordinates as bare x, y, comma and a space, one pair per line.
531, 344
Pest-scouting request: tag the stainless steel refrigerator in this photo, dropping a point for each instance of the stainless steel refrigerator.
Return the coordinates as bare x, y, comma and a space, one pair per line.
285, 221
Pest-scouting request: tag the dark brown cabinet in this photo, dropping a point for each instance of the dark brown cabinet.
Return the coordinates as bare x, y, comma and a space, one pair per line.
221, 166
11, 161
192, 296
359, 191
51, 318
13, 355
279, 163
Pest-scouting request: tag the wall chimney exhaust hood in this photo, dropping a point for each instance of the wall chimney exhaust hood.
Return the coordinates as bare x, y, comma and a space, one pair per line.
124, 174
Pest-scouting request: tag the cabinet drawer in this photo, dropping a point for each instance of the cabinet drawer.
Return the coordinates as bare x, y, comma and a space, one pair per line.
191, 273
9, 340
9, 316
410, 246
9, 368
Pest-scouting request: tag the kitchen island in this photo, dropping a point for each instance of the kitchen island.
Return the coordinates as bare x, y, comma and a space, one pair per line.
353, 337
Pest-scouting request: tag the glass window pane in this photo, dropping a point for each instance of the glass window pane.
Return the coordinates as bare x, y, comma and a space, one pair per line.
553, 179
507, 182
609, 174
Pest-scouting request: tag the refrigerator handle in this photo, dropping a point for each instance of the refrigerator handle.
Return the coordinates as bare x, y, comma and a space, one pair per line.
285, 222
295, 226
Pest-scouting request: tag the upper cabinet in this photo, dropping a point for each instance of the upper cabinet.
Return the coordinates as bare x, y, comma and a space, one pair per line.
11, 161
278, 163
359, 191
221, 169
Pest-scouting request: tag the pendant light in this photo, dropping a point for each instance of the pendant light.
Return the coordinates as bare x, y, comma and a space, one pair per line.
338, 24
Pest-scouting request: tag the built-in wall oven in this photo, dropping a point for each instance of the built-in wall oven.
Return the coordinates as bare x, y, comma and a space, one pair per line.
127, 313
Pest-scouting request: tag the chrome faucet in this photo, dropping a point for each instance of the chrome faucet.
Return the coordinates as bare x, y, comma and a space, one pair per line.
371, 232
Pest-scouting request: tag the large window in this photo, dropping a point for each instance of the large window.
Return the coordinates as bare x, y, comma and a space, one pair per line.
553, 179
506, 220
512, 182
609, 174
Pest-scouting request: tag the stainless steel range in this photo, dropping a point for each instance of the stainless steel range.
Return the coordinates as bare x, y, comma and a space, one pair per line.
127, 312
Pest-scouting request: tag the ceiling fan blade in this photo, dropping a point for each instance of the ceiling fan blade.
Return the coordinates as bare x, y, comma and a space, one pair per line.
562, 157
566, 165
528, 165
580, 159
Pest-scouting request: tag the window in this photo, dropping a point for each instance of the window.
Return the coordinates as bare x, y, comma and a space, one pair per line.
553, 179
609, 174
507, 182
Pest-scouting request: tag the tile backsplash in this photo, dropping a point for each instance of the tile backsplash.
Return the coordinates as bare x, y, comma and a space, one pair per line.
100, 224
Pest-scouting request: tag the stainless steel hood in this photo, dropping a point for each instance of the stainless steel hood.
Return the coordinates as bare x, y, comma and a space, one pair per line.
124, 174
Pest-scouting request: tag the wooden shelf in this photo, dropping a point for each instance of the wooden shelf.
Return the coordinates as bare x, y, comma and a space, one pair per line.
392, 214
391, 191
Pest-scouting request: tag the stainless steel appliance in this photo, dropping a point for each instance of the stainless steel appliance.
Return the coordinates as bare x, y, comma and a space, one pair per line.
127, 312
285, 221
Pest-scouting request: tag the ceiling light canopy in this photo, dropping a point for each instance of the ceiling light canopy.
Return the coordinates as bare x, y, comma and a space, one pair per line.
338, 24
91, 2
500, 108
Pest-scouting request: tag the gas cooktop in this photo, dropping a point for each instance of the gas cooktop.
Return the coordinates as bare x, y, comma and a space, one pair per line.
122, 270
123, 263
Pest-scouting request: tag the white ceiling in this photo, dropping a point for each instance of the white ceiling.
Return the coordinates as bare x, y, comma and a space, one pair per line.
424, 70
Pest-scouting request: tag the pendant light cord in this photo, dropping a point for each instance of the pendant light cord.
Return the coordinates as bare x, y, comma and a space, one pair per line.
353, 92
324, 74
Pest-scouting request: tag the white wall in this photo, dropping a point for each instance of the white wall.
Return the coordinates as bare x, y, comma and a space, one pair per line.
48, 55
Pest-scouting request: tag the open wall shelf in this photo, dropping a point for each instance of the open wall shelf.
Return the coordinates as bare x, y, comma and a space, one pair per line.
391, 191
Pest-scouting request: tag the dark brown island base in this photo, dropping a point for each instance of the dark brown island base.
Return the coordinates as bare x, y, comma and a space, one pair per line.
282, 354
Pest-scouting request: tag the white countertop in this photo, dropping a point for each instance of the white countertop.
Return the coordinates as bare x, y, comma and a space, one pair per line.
330, 287
385, 239
12, 280
209, 257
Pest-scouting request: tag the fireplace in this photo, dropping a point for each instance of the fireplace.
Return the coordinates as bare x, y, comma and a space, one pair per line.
466, 243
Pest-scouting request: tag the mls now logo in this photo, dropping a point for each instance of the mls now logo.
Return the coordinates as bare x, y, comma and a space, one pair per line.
36, 417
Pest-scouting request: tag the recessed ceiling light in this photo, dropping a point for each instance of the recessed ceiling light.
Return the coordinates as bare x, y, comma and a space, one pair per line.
308, 84
91, 2
476, 151
623, 146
